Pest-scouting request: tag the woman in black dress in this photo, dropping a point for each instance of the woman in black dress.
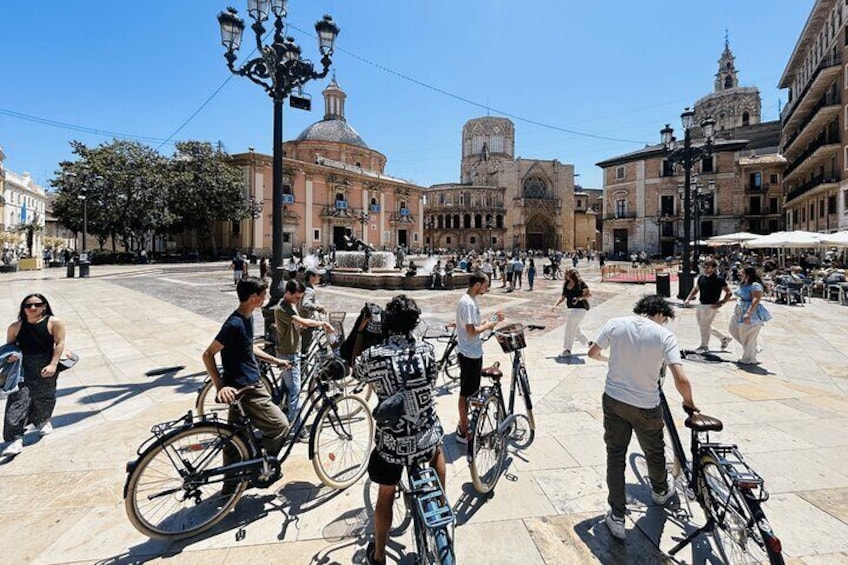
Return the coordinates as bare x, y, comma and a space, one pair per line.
41, 337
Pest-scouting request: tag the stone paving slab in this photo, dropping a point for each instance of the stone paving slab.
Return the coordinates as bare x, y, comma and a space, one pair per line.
130, 324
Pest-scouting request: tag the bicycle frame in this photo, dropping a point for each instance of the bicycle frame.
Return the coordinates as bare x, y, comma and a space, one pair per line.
742, 478
425, 498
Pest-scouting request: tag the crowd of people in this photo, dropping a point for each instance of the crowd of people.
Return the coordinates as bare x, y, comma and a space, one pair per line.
383, 352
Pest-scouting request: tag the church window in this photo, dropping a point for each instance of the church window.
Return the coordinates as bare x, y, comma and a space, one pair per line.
728, 82
478, 221
746, 118
462, 199
456, 220
442, 199
448, 222
439, 222
466, 221
534, 187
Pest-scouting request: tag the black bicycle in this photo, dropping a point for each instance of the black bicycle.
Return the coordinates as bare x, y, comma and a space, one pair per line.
728, 489
433, 519
179, 485
552, 271
448, 362
493, 421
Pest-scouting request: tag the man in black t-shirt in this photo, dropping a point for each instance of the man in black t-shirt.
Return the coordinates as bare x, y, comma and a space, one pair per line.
710, 286
241, 370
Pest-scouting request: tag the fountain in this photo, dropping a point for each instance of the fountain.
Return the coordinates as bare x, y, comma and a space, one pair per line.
381, 273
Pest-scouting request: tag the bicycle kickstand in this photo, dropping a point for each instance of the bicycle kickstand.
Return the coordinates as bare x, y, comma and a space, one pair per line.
691, 537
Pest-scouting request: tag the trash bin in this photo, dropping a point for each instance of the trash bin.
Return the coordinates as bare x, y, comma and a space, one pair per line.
84, 265
663, 284
71, 269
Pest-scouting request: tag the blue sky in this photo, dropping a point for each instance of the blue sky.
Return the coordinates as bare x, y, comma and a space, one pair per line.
614, 69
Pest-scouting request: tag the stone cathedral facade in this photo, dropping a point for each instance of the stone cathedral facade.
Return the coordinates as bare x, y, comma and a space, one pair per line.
507, 203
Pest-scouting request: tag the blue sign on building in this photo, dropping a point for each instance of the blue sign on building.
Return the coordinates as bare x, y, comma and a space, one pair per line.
288, 198
341, 205
375, 207
404, 211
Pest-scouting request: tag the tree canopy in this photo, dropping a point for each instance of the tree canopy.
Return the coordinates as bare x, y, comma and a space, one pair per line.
132, 193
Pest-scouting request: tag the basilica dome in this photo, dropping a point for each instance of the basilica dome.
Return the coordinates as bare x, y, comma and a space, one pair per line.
333, 129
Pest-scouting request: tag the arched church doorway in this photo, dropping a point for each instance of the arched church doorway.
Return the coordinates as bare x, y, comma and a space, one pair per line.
540, 233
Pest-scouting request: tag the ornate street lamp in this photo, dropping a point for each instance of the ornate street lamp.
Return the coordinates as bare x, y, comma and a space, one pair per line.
687, 156
363, 218
279, 70
490, 224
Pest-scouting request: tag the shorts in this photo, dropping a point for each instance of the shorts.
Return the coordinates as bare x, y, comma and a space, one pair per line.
469, 375
382, 472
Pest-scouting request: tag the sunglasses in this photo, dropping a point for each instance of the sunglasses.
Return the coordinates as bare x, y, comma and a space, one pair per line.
34, 305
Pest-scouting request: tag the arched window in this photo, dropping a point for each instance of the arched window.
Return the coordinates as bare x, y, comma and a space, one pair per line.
442, 198
534, 187
456, 220
447, 221
728, 82
746, 118
439, 221
498, 221
466, 221
478, 221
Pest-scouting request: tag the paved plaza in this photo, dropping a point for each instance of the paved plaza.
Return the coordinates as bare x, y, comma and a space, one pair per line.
133, 326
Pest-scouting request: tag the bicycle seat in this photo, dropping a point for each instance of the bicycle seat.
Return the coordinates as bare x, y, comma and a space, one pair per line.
493, 372
703, 423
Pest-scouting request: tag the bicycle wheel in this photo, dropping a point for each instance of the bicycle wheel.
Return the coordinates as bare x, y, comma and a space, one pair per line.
488, 447
341, 441
524, 428
736, 534
206, 405
438, 547
165, 499
451, 366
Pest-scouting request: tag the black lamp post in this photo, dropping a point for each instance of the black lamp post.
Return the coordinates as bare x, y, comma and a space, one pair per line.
431, 224
279, 70
687, 156
364, 216
490, 224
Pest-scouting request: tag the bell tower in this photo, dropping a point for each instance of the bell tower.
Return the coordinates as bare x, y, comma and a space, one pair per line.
726, 75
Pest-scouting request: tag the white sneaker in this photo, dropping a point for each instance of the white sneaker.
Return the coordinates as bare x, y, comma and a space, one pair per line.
45, 429
702, 349
14, 448
661, 499
615, 525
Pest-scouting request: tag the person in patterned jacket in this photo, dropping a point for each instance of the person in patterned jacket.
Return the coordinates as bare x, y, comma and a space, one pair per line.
417, 437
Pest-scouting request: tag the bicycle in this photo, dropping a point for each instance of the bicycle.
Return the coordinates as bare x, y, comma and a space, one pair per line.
179, 487
492, 421
730, 492
448, 362
424, 504
552, 272
320, 359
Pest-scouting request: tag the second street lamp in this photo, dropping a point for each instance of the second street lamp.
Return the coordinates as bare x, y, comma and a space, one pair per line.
687, 156
279, 70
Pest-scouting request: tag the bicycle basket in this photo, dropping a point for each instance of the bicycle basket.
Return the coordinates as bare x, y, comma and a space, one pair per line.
336, 320
511, 337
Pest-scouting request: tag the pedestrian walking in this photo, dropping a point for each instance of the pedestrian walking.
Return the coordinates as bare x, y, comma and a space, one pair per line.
469, 346
749, 315
639, 345
263, 268
575, 294
531, 273
239, 268
510, 273
517, 272
41, 338
709, 286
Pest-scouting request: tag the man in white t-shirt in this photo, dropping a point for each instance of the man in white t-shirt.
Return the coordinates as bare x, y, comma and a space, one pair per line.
639, 345
469, 346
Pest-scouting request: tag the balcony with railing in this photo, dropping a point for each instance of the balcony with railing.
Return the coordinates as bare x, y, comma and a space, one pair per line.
800, 107
620, 216
754, 188
825, 111
812, 184
825, 146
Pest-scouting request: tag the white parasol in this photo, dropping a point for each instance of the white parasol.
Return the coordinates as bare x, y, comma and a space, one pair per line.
838, 239
786, 240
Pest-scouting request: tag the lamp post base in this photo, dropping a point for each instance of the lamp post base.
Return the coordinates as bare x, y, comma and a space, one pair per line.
685, 282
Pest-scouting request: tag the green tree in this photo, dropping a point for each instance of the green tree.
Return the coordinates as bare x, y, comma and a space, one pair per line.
203, 189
